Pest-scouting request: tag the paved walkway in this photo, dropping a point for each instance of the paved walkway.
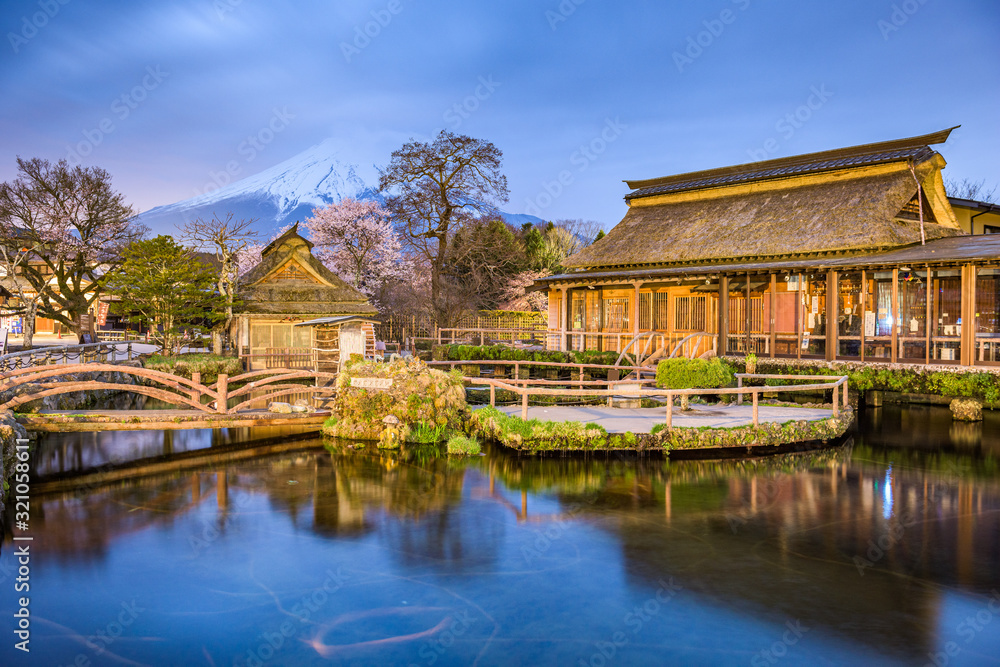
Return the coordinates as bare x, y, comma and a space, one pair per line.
642, 420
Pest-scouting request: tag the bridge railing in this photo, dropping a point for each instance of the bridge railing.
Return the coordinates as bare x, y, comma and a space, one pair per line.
106, 352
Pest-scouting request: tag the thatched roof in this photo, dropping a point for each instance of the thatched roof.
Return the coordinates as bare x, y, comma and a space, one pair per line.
311, 289
853, 207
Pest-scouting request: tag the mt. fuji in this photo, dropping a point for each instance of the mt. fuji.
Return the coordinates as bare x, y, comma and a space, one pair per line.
282, 194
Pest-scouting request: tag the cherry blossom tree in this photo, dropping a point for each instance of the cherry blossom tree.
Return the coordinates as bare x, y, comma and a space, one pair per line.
514, 295
64, 229
356, 240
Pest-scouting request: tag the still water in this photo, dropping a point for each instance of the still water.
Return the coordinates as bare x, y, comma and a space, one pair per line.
882, 551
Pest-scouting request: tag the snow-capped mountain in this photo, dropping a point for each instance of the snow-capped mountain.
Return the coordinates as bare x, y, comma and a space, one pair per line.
282, 194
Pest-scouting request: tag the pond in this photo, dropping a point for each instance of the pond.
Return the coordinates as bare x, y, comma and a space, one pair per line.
886, 549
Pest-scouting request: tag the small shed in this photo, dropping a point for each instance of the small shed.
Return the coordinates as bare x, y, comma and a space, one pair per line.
290, 286
337, 338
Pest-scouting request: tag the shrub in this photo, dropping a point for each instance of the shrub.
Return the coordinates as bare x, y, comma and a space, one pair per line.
693, 374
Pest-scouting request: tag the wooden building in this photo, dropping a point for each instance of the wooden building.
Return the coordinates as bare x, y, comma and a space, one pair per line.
290, 287
853, 254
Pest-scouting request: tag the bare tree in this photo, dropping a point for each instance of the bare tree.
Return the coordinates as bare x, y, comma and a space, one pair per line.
228, 239
435, 189
69, 227
974, 190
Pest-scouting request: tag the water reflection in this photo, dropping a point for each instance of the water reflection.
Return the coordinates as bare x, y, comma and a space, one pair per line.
877, 551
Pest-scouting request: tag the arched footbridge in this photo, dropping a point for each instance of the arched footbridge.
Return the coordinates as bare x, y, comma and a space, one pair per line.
225, 402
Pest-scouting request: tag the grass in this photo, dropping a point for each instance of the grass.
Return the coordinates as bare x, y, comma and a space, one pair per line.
209, 365
425, 434
460, 444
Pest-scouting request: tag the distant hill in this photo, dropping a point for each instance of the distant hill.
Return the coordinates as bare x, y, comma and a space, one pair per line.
280, 195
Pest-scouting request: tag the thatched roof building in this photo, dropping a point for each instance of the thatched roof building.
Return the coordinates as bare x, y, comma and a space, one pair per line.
852, 253
287, 287
847, 200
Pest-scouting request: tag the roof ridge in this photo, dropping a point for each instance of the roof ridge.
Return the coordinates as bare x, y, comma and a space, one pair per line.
885, 151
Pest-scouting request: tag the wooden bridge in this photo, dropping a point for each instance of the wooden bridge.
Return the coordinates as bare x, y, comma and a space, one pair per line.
218, 402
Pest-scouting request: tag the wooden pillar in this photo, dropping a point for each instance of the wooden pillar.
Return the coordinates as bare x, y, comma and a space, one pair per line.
864, 305
968, 339
635, 324
928, 294
832, 306
895, 315
564, 340
723, 314
772, 318
747, 319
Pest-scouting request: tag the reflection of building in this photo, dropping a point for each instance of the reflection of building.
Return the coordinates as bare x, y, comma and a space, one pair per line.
854, 253
289, 286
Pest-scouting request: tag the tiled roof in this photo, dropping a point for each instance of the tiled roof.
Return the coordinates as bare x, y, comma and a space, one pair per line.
914, 148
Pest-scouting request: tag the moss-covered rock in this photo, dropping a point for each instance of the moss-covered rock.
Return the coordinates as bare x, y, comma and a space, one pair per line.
416, 395
967, 410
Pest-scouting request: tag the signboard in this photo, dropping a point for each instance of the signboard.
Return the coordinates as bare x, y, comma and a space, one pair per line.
102, 312
372, 383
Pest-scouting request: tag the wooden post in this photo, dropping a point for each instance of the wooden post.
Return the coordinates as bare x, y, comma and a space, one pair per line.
524, 404
968, 304
723, 315
836, 401
832, 316
493, 395
670, 411
195, 393
846, 401
773, 316
223, 387
756, 420
739, 396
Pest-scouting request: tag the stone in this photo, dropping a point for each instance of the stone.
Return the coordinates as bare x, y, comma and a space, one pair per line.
300, 408
280, 408
966, 410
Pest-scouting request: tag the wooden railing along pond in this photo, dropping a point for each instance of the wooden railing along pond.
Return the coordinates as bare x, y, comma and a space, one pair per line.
526, 388
108, 352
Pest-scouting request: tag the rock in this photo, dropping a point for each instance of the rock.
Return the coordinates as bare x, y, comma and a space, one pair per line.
300, 408
280, 408
966, 410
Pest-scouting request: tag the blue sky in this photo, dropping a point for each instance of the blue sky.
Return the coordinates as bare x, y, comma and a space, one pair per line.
578, 94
